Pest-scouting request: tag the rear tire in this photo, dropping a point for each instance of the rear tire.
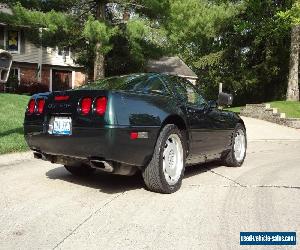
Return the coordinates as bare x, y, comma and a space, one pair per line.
80, 170
237, 153
165, 171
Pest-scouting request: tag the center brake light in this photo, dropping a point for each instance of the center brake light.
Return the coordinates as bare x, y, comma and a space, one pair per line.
86, 104
61, 98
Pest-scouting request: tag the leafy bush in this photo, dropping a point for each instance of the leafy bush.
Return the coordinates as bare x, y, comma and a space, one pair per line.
32, 87
12, 83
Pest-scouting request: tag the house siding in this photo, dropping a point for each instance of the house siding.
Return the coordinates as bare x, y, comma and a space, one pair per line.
27, 60
30, 54
50, 56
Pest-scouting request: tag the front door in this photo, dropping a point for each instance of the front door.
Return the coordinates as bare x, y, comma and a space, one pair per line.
198, 120
61, 80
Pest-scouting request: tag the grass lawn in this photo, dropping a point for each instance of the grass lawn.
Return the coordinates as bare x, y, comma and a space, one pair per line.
12, 108
234, 109
291, 109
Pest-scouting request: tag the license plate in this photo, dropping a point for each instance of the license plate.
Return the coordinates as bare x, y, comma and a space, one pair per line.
60, 126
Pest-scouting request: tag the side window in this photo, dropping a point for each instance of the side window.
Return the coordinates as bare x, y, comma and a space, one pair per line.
194, 97
188, 92
152, 84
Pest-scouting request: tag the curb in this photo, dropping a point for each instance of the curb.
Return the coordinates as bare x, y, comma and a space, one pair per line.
13, 158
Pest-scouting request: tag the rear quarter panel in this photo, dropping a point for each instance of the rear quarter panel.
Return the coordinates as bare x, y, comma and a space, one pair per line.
143, 113
147, 110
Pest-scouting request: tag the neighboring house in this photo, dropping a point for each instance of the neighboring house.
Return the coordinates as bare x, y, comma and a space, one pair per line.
172, 66
49, 66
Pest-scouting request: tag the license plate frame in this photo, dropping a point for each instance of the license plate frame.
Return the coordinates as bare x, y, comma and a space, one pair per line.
60, 125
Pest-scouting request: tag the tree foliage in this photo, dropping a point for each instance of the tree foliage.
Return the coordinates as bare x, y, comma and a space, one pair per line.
242, 43
75, 24
290, 16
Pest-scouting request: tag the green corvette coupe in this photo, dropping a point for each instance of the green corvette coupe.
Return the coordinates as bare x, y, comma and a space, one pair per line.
153, 123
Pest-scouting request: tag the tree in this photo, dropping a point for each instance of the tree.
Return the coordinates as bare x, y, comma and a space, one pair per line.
248, 53
195, 31
90, 27
291, 18
293, 82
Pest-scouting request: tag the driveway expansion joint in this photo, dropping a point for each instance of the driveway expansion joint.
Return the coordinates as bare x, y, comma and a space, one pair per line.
223, 176
251, 186
245, 186
87, 219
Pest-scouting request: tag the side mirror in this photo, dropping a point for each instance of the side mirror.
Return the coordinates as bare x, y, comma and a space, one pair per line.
212, 104
225, 99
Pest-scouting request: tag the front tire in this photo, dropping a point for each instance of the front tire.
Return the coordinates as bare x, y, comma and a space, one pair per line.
165, 171
80, 169
237, 153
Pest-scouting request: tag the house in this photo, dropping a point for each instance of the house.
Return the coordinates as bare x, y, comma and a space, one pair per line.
54, 67
172, 66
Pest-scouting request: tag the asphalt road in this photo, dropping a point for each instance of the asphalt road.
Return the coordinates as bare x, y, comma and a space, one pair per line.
43, 207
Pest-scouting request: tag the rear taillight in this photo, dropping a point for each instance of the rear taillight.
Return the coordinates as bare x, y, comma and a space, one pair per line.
86, 104
36, 106
100, 105
31, 106
40, 106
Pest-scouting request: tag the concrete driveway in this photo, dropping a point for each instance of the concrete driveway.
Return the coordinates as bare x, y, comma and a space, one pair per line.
43, 207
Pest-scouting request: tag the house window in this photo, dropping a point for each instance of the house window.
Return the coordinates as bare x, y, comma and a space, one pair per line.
13, 41
65, 51
15, 73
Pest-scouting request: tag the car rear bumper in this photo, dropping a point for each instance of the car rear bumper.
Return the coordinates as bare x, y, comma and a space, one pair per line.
110, 143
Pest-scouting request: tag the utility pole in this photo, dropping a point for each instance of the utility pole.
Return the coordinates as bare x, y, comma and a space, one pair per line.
220, 87
40, 56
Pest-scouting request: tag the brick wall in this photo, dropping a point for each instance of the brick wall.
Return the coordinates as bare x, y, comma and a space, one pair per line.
28, 73
46, 76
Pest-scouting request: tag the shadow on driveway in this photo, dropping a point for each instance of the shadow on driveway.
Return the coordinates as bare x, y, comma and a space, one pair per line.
111, 184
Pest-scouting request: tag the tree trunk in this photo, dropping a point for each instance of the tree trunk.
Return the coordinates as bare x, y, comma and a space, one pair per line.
293, 84
99, 70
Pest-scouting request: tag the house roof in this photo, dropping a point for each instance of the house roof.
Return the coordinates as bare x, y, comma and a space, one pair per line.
172, 66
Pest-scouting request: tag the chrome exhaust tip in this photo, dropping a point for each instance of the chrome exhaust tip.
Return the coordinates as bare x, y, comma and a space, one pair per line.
102, 165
